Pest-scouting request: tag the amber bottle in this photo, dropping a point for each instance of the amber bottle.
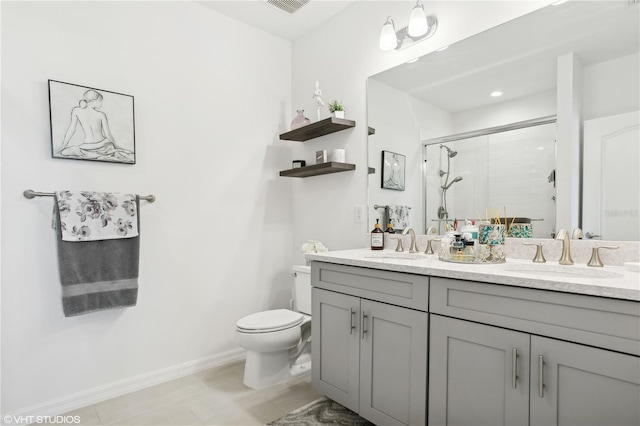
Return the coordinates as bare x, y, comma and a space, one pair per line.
377, 237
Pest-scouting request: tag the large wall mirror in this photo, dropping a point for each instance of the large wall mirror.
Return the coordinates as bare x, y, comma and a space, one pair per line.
470, 155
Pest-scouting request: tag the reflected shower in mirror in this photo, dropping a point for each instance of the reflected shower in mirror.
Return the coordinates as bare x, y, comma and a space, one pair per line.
509, 165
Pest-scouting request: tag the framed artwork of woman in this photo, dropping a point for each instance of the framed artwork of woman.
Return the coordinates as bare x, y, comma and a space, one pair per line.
91, 124
393, 169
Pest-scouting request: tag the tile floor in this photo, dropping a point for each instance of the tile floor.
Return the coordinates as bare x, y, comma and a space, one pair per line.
212, 397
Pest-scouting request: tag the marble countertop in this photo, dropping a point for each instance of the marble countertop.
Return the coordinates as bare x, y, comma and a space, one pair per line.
610, 281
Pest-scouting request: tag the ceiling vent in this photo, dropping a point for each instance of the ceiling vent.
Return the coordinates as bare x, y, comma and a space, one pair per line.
289, 6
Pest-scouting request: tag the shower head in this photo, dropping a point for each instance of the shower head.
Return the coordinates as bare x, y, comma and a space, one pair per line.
452, 153
456, 179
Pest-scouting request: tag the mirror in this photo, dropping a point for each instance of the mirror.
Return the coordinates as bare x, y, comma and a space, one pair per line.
443, 99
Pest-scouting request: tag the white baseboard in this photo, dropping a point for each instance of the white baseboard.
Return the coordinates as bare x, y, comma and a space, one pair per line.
102, 393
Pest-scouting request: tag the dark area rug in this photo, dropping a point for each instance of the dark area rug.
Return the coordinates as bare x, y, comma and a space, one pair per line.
322, 411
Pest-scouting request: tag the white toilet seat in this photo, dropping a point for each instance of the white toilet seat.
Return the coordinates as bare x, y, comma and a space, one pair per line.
269, 321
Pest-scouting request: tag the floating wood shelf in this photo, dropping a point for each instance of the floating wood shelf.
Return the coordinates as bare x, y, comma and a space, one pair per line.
317, 129
318, 169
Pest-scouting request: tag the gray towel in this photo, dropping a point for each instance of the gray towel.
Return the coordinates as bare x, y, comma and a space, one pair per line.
98, 275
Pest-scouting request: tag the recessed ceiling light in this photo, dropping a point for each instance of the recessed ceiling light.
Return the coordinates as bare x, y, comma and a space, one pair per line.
496, 93
559, 2
442, 48
410, 61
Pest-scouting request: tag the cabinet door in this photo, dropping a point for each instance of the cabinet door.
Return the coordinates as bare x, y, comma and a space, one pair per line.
478, 374
393, 364
582, 385
335, 330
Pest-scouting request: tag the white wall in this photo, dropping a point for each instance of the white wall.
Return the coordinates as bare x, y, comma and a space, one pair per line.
526, 108
611, 87
211, 96
341, 54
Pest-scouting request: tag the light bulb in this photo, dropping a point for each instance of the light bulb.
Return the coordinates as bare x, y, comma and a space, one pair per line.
388, 38
418, 25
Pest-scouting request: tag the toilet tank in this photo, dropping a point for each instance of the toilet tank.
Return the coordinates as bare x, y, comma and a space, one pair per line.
302, 289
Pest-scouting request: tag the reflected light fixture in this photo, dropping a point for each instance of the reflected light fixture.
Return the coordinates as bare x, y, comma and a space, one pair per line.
420, 27
496, 93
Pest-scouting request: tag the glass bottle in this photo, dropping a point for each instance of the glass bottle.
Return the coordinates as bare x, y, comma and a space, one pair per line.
390, 229
470, 250
377, 237
299, 120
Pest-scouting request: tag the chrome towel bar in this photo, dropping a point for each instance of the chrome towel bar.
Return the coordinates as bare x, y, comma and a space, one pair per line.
29, 193
375, 206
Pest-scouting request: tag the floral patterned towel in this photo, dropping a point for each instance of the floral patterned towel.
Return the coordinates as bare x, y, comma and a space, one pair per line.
93, 216
398, 216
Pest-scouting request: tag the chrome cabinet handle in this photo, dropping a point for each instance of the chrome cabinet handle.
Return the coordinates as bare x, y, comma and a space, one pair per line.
351, 318
364, 319
540, 376
514, 367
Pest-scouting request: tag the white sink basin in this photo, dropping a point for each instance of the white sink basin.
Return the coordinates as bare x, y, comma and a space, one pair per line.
562, 270
393, 255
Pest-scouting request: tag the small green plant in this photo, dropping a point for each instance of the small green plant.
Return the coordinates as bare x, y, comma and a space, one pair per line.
336, 106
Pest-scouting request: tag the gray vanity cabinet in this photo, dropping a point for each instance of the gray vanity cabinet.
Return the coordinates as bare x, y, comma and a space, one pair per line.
336, 346
371, 355
485, 375
479, 375
393, 364
582, 386
492, 374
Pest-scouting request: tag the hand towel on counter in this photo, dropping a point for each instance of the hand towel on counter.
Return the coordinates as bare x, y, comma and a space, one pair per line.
397, 215
97, 274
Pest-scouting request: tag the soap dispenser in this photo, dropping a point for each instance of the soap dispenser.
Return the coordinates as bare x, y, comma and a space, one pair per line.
390, 229
377, 237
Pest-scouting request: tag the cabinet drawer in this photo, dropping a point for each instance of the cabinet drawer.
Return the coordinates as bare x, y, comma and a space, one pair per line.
605, 323
396, 288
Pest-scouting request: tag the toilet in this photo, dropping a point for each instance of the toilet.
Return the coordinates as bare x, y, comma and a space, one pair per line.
278, 342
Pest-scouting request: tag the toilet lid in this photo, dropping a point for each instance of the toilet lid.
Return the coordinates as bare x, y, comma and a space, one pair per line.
277, 319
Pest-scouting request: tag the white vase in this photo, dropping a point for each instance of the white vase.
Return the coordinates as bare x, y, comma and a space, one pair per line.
338, 114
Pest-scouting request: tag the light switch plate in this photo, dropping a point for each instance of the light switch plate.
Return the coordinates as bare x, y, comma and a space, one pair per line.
358, 213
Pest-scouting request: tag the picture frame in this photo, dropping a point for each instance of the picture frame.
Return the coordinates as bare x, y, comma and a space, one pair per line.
91, 124
393, 170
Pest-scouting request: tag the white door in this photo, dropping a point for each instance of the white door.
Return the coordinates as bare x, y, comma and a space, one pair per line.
611, 177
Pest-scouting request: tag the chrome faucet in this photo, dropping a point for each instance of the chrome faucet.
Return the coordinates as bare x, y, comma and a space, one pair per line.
565, 258
413, 248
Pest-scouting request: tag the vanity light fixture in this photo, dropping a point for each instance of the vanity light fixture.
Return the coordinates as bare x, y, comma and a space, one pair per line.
420, 27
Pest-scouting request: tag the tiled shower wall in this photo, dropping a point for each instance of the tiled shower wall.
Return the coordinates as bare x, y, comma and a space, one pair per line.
508, 170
